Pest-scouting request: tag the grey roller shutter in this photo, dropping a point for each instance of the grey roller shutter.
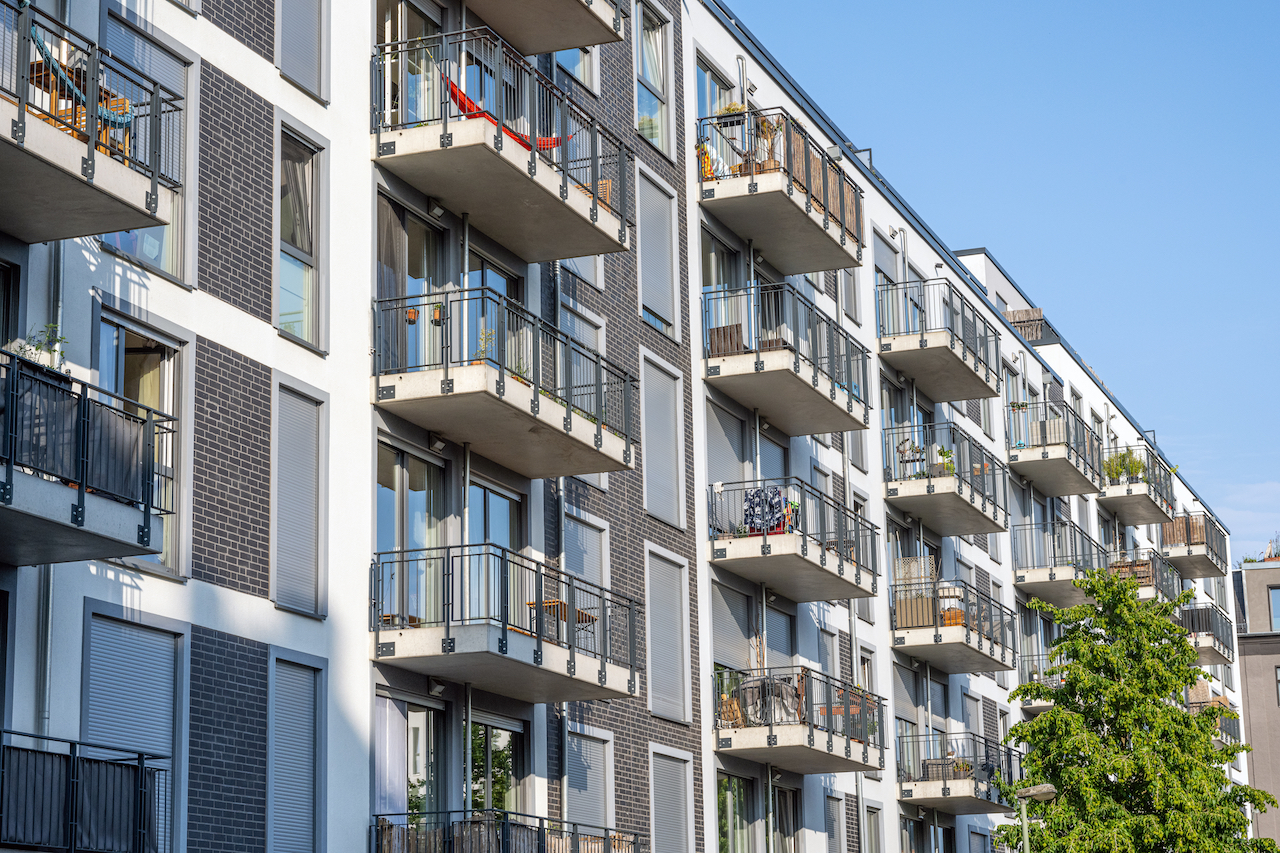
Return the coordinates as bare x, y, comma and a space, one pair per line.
670, 805
827, 652
731, 624
778, 630
773, 460
904, 692
660, 450
128, 46
667, 682
657, 287
584, 551
585, 799
294, 765
132, 687
938, 705
300, 42
977, 842
297, 528
725, 454
831, 823
886, 259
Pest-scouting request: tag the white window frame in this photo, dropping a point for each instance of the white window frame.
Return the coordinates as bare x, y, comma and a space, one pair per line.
285, 123
687, 665
592, 85
681, 502
668, 28
276, 654
595, 521
326, 34
321, 399
643, 171
584, 730
598, 276
690, 809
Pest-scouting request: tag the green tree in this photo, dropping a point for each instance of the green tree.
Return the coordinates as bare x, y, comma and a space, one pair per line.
1135, 771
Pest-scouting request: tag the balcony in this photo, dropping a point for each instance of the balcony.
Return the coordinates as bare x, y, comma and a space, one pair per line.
1210, 630
71, 171
765, 178
770, 348
545, 26
1156, 578
61, 795
81, 479
477, 367
1053, 447
491, 830
949, 481
1039, 668
1196, 545
1228, 731
465, 119
504, 623
798, 719
955, 774
952, 626
792, 538
1137, 486
1049, 557
931, 333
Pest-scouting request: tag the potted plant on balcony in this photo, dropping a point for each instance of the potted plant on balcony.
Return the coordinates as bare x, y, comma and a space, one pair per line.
734, 111
44, 348
948, 461
962, 769
769, 129
484, 345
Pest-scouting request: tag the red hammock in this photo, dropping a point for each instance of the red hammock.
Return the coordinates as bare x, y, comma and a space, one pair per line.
470, 109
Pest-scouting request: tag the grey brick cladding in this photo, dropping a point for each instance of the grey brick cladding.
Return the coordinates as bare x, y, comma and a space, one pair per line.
622, 505
990, 719
232, 460
846, 657
851, 822
234, 235
250, 22
227, 780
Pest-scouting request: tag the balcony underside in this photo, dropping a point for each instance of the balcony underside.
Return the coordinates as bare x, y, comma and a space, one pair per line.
525, 214
785, 398
1056, 586
501, 426
940, 365
45, 197
1193, 562
954, 649
792, 239
1035, 707
947, 506
790, 571
545, 26
477, 660
1057, 470
1135, 504
37, 527
792, 750
953, 796
1209, 651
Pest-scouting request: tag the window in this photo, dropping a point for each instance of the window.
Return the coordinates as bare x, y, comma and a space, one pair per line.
667, 638
732, 631
831, 823
296, 531
409, 741
785, 837
8, 300
1274, 594
296, 302
713, 93
301, 28
972, 714
579, 63
856, 441
657, 275
852, 302
587, 776
661, 452
651, 76
410, 507
159, 246
584, 552
585, 268
582, 329
867, 670
734, 797
482, 272
988, 422
828, 653
669, 796
872, 835
1278, 685
780, 630
719, 264
494, 518
296, 771
497, 767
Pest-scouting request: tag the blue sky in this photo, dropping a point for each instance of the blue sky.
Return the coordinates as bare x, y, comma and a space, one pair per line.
1122, 161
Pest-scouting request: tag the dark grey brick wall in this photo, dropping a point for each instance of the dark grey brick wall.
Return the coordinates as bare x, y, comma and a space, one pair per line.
232, 460
227, 780
234, 235
250, 22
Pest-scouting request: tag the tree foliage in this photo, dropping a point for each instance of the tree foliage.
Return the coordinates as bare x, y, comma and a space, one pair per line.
1135, 771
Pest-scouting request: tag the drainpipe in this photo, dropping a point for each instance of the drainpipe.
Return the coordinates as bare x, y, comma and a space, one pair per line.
466, 493
562, 504
764, 627
44, 651
466, 746
466, 250
742, 78
756, 458
768, 829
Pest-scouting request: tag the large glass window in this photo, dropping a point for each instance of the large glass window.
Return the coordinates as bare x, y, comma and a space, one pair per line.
424, 731
733, 805
579, 63
1274, 593
713, 92
656, 213
410, 507
497, 766
786, 839
719, 264
651, 76
297, 303
661, 461
495, 518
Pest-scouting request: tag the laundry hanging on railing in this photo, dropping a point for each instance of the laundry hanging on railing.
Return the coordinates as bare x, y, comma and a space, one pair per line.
106, 116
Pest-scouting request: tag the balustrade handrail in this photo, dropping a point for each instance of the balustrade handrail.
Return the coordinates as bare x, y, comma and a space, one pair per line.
54, 73
446, 330
473, 73
953, 603
939, 757
1207, 618
1196, 528
929, 451
798, 696
1051, 423
770, 141
1056, 544
937, 305
1132, 464
762, 317
1148, 568
495, 830
1037, 667
764, 508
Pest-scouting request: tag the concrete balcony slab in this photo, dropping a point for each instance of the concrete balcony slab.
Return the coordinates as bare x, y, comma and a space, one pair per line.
942, 367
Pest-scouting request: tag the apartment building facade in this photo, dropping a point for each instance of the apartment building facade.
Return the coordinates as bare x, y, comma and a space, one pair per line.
1256, 584
588, 449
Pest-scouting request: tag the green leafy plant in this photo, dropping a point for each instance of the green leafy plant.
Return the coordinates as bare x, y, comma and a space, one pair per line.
948, 459
1126, 465
484, 344
44, 347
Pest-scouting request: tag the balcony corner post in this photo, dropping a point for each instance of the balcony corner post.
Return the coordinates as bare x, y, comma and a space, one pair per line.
10, 426
595, 168
564, 151
82, 457
87, 165
18, 127
600, 408
157, 116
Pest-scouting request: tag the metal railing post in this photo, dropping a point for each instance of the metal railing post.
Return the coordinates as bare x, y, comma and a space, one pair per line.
72, 795
9, 439
157, 116
599, 401
564, 151
571, 623
595, 170
18, 127
621, 209
603, 640
90, 112
149, 480
139, 808
82, 456
627, 389
539, 611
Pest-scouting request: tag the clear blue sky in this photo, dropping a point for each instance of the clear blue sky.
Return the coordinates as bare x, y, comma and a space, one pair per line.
1121, 160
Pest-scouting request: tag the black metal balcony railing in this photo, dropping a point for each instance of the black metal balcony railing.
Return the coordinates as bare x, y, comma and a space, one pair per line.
1139, 464
495, 831
1056, 545
1196, 529
932, 451
760, 142
475, 74
1228, 727
919, 307
446, 330
954, 603
1209, 619
1037, 668
64, 795
941, 757
462, 585
759, 318
764, 508
798, 696
53, 73
1048, 424
1148, 568
96, 441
